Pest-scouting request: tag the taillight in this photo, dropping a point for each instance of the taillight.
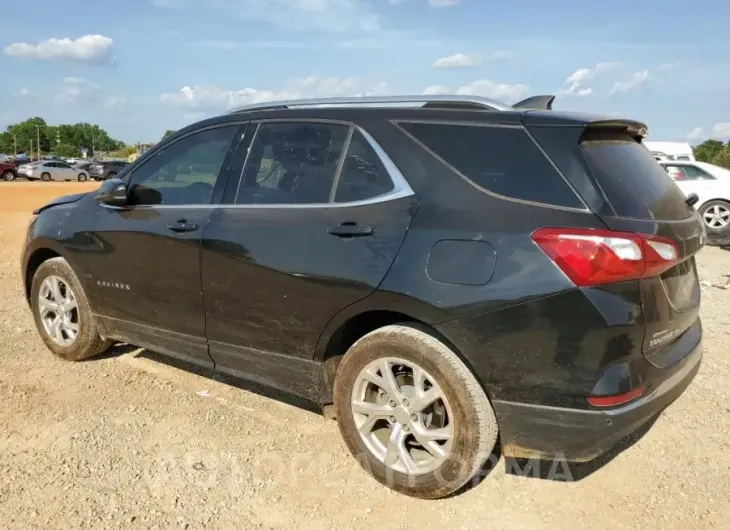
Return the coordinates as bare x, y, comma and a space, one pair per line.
618, 399
594, 257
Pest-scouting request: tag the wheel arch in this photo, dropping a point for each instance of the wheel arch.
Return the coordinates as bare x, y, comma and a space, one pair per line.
42, 250
341, 333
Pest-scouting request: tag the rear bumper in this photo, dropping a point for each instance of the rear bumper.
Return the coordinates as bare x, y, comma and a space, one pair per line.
536, 431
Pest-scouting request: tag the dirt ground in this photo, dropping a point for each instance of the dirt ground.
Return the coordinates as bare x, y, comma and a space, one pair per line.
128, 442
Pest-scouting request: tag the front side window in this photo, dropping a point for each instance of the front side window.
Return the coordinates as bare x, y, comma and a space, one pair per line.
292, 163
185, 172
698, 173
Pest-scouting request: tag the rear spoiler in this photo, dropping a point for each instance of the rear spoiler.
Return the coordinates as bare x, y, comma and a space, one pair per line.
544, 102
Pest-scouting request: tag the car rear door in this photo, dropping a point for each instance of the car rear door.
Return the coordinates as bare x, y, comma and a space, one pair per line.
311, 227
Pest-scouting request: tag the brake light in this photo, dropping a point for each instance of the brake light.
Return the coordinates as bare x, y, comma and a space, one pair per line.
595, 257
618, 399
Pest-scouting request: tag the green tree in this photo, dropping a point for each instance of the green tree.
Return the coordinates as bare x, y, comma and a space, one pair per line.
722, 158
707, 150
124, 152
65, 150
168, 132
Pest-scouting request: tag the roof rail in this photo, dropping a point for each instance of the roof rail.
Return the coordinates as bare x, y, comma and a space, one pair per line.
544, 102
432, 101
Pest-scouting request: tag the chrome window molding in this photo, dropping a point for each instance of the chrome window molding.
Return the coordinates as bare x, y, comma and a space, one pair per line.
401, 188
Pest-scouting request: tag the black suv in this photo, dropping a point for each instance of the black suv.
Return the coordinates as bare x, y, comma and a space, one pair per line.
107, 169
431, 271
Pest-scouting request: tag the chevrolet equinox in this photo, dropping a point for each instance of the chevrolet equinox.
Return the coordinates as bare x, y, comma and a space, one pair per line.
432, 271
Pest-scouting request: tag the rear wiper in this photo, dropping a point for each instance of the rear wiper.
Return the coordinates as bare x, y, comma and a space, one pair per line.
692, 199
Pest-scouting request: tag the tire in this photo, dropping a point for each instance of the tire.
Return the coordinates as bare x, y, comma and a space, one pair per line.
471, 420
110, 175
87, 341
82, 177
8, 176
46, 177
719, 207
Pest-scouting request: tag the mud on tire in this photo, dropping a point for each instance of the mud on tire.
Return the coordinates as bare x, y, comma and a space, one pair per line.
474, 423
88, 342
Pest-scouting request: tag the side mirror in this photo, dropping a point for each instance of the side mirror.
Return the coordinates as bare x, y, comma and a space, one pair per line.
112, 192
692, 199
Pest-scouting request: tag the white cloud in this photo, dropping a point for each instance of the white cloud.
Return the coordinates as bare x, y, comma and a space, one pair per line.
96, 49
443, 3
721, 130
336, 16
575, 83
213, 97
24, 93
78, 90
458, 60
695, 134
483, 87
668, 67
436, 90
637, 79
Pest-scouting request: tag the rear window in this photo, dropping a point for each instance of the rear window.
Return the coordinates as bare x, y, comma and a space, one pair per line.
632, 180
501, 160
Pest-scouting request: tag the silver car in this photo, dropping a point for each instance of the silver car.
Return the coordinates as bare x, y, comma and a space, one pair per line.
52, 170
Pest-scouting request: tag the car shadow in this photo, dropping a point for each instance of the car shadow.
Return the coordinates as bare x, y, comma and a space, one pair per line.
116, 350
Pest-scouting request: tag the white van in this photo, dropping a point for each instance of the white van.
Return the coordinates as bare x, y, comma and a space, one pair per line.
671, 151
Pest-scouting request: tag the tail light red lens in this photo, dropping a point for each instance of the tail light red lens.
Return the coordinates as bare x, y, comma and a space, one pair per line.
595, 257
618, 399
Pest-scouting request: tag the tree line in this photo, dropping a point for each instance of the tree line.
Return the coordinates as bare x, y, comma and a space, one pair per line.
713, 152
67, 140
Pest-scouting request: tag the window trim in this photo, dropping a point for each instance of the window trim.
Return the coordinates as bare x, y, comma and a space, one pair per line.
401, 188
461, 123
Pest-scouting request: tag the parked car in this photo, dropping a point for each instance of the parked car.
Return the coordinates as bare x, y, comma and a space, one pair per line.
51, 170
103, 170
8, 171
712, 185
431, 272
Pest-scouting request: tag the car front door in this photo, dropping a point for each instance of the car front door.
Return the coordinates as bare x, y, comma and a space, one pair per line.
315, 221
143, 259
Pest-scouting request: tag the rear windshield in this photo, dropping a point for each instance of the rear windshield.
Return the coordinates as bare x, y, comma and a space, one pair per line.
632, 180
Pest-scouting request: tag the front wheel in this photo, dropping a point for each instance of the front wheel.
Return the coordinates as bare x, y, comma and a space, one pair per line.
45, 177
8, 176
82, 177
62, 313
412, 413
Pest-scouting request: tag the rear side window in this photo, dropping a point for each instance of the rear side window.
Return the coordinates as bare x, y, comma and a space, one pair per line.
363, 175
632, 180
500, 160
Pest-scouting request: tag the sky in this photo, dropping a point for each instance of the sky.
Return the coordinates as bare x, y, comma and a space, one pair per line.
140, 67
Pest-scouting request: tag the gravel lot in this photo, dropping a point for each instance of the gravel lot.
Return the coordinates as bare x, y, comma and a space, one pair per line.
127, 441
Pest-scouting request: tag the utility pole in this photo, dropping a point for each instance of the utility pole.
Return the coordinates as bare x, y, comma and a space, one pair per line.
38, 132
15, 145
31, 149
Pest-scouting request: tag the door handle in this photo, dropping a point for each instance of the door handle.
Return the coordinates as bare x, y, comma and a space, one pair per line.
351, 229
182, 226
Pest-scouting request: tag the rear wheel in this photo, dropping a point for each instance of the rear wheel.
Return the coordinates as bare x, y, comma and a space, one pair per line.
412, 413
716, 216
62, 313
8, 176
111, 175
82, 177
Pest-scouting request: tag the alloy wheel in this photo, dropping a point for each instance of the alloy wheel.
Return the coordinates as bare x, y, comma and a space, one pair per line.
717, 216
402, 416
59, 311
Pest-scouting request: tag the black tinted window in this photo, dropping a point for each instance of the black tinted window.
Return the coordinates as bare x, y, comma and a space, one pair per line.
185, 172
632, 180
291, 163
501, 160
363, 174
